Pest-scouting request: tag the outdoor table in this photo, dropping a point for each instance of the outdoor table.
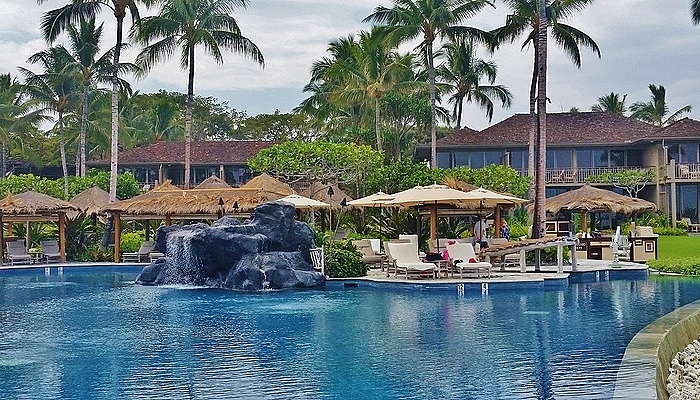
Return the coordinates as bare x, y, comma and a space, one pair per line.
35, 256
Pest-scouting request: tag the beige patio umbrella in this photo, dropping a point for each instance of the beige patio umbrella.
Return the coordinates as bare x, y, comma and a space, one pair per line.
432, 196
591, 199
491, 200
378, 199
301, 202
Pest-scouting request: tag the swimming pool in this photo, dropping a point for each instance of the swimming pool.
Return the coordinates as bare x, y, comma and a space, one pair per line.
91, 333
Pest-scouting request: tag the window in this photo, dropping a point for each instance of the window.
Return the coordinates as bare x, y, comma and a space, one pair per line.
518, 159
461, 159
444, 160
559, 159
493, 157
617, 158
584, 158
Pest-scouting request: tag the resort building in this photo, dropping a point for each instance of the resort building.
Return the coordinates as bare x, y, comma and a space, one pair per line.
583, 145
166, 160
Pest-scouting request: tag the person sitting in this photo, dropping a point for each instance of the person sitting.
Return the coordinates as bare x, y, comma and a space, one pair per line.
504, 232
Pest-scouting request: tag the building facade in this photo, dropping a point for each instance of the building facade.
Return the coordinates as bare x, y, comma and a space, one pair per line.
583, 145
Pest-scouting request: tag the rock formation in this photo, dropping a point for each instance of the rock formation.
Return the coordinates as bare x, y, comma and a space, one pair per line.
269, 251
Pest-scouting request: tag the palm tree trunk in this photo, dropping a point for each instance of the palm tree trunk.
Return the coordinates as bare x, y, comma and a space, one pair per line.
377, 128
533, 129
114, 148
83, 133
540, 213
188, 116
460, 104
433, 109
64, 163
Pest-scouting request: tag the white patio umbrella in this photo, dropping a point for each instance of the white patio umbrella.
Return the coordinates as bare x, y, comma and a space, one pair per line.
491, 200
432, 196
373, 200
301, 202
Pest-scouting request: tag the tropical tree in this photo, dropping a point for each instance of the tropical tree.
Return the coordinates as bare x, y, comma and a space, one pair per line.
695, 11
90, 68
525, 20
655, 111
461, 75
56, 90
18, 116
188, 24
431, 20
56, 21
611, 103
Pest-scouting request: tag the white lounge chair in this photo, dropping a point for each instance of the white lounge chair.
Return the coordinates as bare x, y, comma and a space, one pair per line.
414, 241
407, 262
51, 251
464, 259
369, 257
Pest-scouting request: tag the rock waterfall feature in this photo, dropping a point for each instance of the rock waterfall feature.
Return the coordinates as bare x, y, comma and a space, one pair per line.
269, 251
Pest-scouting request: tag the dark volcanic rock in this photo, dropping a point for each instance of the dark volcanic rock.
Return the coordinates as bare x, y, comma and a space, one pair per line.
270, 250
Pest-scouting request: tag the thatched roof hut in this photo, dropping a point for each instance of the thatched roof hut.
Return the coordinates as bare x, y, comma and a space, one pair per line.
213, 182
91, 201
35, 206
269, 184
319, 191
591, 199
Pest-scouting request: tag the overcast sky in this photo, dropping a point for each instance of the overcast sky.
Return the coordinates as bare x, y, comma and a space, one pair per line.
641, 41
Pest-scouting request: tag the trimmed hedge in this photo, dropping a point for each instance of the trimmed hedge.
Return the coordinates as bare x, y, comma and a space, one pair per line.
343, 260
684, 266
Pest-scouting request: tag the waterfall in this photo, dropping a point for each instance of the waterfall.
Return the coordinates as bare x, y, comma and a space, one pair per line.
184, 266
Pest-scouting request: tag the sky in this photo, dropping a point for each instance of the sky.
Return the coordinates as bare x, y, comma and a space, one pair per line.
642, 42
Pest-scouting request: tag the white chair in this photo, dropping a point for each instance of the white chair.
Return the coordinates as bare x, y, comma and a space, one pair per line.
464, 258
414, 241
318, 259
407, 261
437, 245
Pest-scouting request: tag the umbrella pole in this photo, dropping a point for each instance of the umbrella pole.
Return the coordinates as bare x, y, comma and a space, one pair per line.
584, 222
433, 222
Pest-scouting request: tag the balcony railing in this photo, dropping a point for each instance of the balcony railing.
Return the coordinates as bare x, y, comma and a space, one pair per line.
688, 171
579, 176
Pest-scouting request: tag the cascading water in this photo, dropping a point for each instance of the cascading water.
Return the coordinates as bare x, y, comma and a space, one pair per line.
184, 264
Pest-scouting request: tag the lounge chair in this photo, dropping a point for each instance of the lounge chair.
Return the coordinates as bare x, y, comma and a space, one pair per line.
17, 253
368, 255
407, 261
437, 245
508, 259
414, 241
464, 260
51, 251
142, 255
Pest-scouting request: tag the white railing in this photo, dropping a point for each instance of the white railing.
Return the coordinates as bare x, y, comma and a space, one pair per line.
689, 171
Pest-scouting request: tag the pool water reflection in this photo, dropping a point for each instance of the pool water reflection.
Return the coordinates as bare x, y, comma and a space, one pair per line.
96, 335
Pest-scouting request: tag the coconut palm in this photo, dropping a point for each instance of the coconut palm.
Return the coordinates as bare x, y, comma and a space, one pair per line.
187, 24
611, 103
695, 11
430, 20
462, 74
655, 111
524, 20
56, 21
90, 68
56, 89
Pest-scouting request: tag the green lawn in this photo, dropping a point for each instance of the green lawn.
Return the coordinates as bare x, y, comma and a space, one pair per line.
671, 247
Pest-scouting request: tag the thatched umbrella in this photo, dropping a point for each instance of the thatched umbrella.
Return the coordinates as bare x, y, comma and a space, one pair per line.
213, 182
330, 194
35, 206
90, 201
269, 184
591, 199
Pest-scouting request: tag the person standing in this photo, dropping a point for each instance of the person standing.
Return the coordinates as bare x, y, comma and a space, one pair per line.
504, 232
479, 232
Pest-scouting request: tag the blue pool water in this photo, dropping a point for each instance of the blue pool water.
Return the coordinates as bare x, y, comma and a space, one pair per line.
94, 335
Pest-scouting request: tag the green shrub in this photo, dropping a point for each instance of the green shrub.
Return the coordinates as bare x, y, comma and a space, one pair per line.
667, 231
343, 261
130, 242
92, 253
548, 256
685, 266
517, 231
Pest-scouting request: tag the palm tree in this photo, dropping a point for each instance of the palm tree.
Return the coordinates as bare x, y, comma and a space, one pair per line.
187, 24
611, 103
525, 19
695, 11
431, 20
56, 90
655, 111
90, 69
461, 75
56, 21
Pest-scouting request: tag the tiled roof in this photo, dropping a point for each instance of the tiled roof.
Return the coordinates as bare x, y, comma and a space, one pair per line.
562, 129
685, 128
202, 153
